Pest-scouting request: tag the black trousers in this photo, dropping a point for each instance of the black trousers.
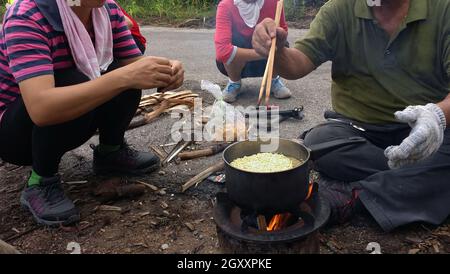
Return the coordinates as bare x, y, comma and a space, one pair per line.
417, 193
24, 143
252, 69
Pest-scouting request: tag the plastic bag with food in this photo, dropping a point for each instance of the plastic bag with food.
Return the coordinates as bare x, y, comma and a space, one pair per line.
225, 122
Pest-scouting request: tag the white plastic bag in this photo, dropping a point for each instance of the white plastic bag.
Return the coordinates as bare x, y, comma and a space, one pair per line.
226, 122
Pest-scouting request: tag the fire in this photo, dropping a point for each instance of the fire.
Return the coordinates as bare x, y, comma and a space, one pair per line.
280, 221
310, 191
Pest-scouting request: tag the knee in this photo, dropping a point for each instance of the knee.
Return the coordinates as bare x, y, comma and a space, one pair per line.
221, 68
320, 134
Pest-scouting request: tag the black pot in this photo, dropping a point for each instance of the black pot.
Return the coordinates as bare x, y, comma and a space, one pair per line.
280, 191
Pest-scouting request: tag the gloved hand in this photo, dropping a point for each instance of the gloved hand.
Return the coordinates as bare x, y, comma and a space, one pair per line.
428, 124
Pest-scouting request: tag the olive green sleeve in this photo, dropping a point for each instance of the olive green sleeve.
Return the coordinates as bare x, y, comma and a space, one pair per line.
320, 42
447, 53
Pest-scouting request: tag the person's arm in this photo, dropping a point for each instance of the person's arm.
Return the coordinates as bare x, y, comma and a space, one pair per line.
310, 52
128, 61
247, 55
428, 123
445, 106
49, 105
290, 63
127, 47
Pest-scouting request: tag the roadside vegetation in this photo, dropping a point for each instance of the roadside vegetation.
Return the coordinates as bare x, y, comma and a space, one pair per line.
173, 12
179, 10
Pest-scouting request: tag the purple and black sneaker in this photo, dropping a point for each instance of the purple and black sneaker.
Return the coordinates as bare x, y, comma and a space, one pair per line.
343, 198
48, 203
125, 161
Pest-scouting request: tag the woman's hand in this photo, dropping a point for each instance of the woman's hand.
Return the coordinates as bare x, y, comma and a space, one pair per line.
177, 76
149, 73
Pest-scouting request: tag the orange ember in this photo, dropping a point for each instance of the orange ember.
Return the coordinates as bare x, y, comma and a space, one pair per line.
280, 221
310, 192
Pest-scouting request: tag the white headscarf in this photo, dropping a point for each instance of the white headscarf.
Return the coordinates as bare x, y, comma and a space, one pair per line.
249, 11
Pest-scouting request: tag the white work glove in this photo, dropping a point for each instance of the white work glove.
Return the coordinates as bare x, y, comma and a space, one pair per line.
428, 124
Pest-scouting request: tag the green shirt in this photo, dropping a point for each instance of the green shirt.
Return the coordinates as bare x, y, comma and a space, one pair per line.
375, 75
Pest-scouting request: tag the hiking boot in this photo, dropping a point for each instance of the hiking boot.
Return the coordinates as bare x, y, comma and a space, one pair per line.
231, 92
279, 90
126, 160
48, 203
343, 199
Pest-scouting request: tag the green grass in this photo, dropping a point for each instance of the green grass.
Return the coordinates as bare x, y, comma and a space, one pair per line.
175, 11
2, 8
168, 10
178, 10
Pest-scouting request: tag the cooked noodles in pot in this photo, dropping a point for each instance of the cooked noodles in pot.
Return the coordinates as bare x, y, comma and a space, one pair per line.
266, 163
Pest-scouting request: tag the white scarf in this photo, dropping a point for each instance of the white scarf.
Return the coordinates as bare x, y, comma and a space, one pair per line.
249, 11
90, 60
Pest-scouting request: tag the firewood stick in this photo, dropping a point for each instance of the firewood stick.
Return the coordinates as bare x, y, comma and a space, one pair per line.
213, 150
166, 95
166, 104
7, 248
262, 223
154, 103
137, 123
158, 152
138, 112
173, 96
152, 115
177, 107
203, 175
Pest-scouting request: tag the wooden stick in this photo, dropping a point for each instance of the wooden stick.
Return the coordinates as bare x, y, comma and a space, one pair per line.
268, 74
262, 224
167, 95
272, 52
16, 236
263, 84
203, 175
158, 152
6, 248
213, 150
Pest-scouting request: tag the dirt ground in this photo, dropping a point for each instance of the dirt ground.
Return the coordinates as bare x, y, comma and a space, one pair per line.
166, 220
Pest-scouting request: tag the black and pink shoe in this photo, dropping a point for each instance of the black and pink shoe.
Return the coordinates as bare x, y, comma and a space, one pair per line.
343, 198
48, 203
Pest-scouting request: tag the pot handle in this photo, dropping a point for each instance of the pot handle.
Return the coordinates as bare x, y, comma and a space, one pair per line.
319, 150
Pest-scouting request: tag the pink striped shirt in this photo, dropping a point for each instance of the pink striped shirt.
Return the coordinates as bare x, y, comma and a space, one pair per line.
33, 43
